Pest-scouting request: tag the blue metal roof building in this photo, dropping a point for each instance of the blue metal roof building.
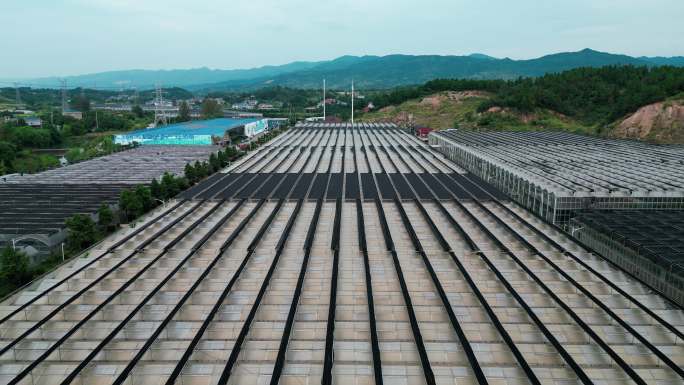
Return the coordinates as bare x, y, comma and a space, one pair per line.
186, 133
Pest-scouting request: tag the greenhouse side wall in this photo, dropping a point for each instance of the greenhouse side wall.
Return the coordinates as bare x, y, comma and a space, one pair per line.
668, 280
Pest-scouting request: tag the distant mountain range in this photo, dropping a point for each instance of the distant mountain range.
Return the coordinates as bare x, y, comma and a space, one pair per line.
368, 72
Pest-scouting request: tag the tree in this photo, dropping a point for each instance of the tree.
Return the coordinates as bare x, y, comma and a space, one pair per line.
105, 217
81, 103
130, 204
55, 135
169, 186
8, 152
75, 154
190, 173
223, 158
80, 232
138, 111
183, 112
200, 171
206, 169
231, 152
214, 163
211, 109
31, 137
155, 188
15, 267
182, 183
145, 197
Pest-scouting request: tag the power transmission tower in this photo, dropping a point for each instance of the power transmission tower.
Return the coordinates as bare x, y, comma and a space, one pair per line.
64, 96
159, 114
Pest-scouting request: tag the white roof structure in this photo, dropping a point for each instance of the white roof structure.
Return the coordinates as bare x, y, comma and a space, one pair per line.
135, 166
345, 255
579, 166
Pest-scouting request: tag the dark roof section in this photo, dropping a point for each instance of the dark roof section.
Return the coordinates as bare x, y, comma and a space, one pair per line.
233, 289
43, 208
657, 234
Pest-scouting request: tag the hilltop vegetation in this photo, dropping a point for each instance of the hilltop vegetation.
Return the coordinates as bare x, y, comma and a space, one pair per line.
443, 109
592, 95
585, 99
451, 109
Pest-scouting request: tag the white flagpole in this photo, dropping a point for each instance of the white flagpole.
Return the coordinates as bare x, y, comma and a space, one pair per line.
324, 100
352, 96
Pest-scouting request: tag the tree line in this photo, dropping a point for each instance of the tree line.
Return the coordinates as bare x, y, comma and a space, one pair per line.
590, 95
17, 139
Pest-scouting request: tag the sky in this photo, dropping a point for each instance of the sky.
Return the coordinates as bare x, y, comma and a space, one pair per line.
72, 37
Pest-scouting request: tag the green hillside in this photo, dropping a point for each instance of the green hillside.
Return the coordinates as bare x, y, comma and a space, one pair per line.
369, 72
589, 100
460, 110
380, 72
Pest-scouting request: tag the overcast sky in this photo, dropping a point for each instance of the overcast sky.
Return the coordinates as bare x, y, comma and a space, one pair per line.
70, 37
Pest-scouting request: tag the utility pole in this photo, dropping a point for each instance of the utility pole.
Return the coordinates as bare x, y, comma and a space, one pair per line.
324, 99
97, 122
352, 103
64, 95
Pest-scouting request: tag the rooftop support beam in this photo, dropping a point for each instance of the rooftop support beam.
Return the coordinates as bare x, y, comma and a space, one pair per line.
332, 307
603, 278
104, 303
282, 350
232, 359
614, 355
129, 367
502, 279
375, 346
473, 286
418, 337
59, 308
92, 262
465, 343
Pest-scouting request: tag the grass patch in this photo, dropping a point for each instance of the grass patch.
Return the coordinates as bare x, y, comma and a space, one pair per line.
440, 116
462, 114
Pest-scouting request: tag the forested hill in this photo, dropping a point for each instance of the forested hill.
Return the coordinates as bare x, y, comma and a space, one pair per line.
372, 72
620, 101
590, 95
368, 72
